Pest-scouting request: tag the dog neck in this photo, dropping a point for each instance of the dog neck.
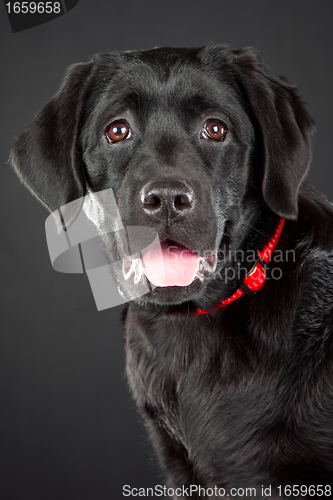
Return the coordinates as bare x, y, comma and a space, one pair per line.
256, 277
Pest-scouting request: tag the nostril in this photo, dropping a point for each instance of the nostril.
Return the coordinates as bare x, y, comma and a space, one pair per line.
152, 202
182, 202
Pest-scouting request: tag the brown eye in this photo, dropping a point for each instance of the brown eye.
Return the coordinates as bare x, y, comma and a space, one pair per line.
118, 131
214, 129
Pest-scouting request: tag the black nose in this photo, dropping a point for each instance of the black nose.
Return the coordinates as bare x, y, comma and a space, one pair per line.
167, 198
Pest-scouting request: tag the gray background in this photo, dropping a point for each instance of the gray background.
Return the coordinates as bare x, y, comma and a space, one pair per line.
68, 427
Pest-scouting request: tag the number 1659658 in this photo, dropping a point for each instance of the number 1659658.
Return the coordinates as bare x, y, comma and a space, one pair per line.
309, 491
33, 7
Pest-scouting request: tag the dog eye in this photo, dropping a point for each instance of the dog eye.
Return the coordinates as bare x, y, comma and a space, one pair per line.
118, 131
214, 129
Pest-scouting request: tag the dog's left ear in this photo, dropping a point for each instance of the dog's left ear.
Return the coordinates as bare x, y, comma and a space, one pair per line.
46, 155
283, 129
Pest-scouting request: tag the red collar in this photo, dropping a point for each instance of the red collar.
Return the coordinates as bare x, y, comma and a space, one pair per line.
256, 277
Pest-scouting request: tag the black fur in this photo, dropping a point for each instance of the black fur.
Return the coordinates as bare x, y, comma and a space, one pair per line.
241, 397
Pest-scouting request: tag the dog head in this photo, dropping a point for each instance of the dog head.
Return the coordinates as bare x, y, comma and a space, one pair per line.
198, 144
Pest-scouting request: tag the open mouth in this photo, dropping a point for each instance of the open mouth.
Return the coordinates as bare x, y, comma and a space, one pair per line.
169, 263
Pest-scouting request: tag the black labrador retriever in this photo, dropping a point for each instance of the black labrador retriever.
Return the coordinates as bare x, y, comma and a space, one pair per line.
229, 356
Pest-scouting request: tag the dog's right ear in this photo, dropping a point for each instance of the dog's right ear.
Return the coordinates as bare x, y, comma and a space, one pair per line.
283, 129
46, 156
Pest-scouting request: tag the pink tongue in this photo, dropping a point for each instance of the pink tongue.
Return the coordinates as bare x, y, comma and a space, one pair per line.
170, 265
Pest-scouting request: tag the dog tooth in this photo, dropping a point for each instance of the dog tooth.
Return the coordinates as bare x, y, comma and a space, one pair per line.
138, 271
132, 269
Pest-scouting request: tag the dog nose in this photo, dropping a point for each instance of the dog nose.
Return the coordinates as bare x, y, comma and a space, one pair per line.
171, 198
